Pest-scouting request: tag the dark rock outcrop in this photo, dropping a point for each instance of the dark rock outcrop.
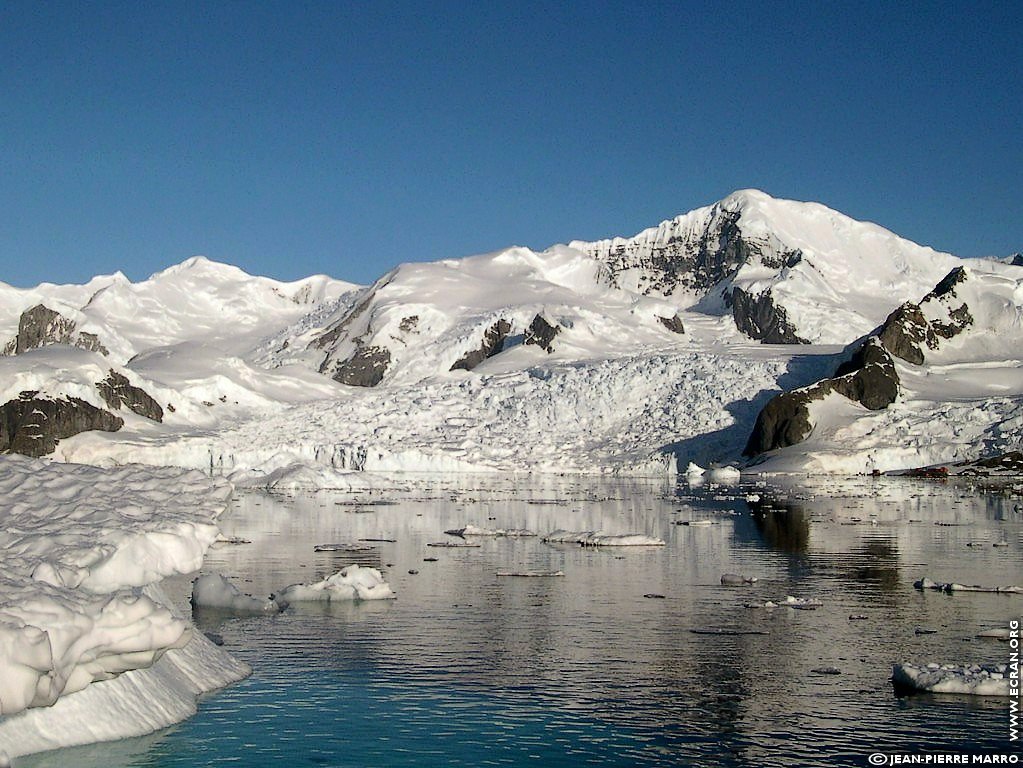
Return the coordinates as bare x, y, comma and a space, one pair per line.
760, 318
906, 332
673, 323
690, 259
493, 343
32, 425
868, 377
116, 390
41, 326
366, 368
1017, 260
330, 336
541, 333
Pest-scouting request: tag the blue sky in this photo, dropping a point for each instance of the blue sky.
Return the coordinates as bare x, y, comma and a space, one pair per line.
294, 138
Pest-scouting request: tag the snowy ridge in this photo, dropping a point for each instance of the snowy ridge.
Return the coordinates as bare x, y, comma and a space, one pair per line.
197, 299
964, 400
836, 278
425, 317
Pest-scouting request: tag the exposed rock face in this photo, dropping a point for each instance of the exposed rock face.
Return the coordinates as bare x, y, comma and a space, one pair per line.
688, 258
335, 332
760, 318
542, 333
41, 326
32, 425
366, 368
673, 323
868, 377
493, 343
116, 390
907, 332
1017, 260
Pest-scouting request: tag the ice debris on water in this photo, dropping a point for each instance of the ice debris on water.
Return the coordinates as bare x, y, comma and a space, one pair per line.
974, 679
736, 579
354, 582
927, 583
600, 539
212, 590
799, 603
475, 530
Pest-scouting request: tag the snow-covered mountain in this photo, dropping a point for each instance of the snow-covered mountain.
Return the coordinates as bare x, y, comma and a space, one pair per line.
196, 300
629, 354
423, 320
787, 271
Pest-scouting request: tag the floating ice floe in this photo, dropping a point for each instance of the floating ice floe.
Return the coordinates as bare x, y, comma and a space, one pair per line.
453, 544
343, 548
475, 530
212, 590
996, 633
694, 470
974, 679
599, 539
799, 603
926, 583
532, 574
353, 582
736, 579
222, 539
725, 475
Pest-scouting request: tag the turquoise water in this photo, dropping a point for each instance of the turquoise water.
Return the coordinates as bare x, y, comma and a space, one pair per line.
468, 668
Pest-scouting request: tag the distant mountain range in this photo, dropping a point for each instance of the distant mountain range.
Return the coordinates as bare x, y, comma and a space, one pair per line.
623, 355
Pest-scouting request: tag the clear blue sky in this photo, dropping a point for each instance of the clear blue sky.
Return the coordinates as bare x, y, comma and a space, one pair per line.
292, 138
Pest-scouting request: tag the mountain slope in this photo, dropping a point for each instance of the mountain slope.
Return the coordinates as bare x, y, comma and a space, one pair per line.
624, 355
787, 271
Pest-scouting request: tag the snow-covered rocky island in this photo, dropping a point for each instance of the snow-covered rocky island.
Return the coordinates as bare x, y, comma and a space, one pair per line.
757, 335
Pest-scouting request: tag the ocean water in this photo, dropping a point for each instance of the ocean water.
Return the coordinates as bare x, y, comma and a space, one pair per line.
469, 668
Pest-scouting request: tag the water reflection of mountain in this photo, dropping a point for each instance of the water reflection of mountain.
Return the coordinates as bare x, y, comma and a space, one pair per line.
590, 641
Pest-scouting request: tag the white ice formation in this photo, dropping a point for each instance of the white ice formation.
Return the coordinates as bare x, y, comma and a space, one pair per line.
90, 648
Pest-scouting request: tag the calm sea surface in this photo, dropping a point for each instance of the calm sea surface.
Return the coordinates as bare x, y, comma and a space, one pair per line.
467, 668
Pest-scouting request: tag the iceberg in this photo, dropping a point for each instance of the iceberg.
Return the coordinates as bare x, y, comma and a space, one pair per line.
86, 635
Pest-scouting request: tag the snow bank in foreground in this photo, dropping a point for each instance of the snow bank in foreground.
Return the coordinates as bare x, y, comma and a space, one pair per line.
80, 545
600, 539
135, 703
353, 582
975, 679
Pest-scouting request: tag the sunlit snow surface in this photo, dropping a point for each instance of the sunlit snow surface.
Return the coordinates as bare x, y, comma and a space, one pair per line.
241, 364
83, 549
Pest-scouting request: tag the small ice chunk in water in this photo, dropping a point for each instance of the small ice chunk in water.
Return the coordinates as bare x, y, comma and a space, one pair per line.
735, 579
353, 582
214, 591
973, 679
